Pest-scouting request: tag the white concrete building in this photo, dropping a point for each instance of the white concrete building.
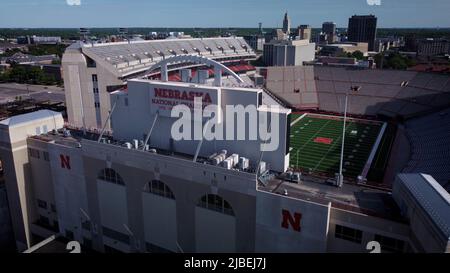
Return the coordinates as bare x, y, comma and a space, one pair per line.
288, 52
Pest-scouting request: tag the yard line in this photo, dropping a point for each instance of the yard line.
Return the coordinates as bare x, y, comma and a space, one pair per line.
323, 157
298, 119
321, 128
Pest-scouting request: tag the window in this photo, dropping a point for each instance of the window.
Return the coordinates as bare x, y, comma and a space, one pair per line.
42, 204
390, 244
349, 234
216, 203
94, 78
95, 90
33, 153
126, 101
109, 175
97, 104
46, 156
159, 188
118, 236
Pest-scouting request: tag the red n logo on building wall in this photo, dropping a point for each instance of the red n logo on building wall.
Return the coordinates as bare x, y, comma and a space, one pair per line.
65, 161
293, 221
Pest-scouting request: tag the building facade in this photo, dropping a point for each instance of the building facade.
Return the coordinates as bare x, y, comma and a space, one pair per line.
304, 32
363, 29
288, 52
432, 47
329, 28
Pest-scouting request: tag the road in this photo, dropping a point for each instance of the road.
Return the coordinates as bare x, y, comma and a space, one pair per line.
9, 92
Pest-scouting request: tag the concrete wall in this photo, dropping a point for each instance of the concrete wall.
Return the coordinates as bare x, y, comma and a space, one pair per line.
189, 183
7, 243
313, 229
370, 226
18, 177
135, 106
214, 232
160, 221
79, 87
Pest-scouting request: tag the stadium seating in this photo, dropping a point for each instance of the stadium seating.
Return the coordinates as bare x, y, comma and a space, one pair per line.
136, 56
430, 145
393, 93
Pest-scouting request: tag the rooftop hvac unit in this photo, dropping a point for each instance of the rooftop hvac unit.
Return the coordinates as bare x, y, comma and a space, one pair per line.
234, 159
227, 163
262, 167
128, 145
212, 156
136, 143
215, 161
153, 151
243, 163
66, 133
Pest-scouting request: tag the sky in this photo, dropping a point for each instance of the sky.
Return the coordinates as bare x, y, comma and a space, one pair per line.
217, 13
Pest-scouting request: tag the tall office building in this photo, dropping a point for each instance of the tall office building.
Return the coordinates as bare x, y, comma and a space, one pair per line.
363, 28
329, 28
286, 24
304, 32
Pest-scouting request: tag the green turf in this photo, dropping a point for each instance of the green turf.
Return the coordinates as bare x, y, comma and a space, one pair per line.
306, 155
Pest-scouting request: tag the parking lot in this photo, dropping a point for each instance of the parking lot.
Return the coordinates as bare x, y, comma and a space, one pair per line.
10, 91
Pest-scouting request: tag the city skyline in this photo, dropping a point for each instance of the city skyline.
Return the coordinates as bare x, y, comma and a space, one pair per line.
202, 13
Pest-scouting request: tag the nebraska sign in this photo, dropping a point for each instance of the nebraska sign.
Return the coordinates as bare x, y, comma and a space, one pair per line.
164, 97
291, 221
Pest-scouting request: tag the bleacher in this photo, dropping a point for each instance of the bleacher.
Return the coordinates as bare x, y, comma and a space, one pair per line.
430, 146
129, 58
392, 93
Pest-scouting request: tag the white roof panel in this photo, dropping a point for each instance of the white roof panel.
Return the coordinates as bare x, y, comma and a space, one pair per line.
430, 195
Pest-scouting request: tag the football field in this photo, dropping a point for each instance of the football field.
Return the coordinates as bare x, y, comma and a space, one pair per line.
316, 140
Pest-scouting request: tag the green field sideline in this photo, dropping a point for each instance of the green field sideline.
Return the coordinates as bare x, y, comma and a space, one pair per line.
316, 145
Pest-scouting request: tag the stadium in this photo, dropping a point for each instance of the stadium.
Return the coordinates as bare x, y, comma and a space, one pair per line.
413, 108
112, 177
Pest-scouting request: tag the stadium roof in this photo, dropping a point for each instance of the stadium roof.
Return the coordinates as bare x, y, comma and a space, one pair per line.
29, 117
127, 58
430, 195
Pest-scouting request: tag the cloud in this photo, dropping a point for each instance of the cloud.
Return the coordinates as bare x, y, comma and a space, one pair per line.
73, 2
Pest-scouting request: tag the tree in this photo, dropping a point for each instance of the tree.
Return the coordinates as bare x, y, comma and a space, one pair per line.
358, 55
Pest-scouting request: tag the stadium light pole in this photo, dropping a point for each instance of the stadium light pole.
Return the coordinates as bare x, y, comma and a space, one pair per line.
340, 180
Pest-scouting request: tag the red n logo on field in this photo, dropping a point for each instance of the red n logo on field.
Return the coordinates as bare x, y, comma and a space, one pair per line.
65, 161
293, 221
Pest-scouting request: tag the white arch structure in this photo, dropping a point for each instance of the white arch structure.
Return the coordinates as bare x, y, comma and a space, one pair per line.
218, 67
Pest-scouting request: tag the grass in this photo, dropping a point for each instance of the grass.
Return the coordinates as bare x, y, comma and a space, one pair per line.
308, 155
